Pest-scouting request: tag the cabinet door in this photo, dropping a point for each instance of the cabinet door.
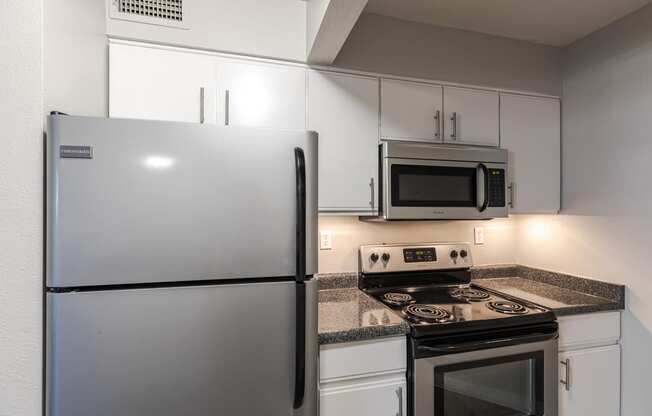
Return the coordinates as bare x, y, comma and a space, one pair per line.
158, 84
410, 110
343, 109
364, 399
593, 379
471, 116
530, 131
258, 94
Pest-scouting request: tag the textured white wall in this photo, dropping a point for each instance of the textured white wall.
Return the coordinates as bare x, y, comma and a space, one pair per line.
20, 207
270, 28
75, 57
393, 46
349, 233
605, 230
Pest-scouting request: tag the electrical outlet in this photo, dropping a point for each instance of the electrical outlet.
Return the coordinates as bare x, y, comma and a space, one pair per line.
478, 235
325, 240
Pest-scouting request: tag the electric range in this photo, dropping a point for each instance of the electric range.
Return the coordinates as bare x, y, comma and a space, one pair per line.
471, 351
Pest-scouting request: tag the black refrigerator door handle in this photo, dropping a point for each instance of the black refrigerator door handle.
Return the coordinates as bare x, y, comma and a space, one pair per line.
485, 173
300, 349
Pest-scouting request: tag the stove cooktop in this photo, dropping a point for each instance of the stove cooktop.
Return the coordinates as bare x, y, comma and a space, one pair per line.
429, 286
445, 309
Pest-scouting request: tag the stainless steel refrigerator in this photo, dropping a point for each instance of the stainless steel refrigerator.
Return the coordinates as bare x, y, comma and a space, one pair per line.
178, 269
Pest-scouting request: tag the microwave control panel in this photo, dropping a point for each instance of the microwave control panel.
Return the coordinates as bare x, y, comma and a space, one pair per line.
496, 187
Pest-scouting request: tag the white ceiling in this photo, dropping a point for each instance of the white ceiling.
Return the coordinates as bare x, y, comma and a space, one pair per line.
550, 22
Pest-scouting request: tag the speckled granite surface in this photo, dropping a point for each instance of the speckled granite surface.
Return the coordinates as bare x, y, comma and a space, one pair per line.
564, 294
348, 314
337, 280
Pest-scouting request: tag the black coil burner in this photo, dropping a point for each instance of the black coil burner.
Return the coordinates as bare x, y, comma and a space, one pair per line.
470, 294
428, 312
398, 299
507, 307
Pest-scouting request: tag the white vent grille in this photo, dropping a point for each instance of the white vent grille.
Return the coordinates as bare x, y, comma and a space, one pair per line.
157, 9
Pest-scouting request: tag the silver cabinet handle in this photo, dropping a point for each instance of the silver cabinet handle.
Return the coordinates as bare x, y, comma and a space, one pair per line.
454, 126
372, 191
227, 102
567, 381
399, 393
511, 194
437, 124
202, 105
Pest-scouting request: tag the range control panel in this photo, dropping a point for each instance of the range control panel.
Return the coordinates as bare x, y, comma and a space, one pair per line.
417, 255
385, 258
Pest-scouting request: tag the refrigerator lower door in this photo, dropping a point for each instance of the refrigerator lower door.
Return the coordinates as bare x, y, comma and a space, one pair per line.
201, 350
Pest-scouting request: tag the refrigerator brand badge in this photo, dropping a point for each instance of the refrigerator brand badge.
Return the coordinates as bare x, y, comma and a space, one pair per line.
76, 152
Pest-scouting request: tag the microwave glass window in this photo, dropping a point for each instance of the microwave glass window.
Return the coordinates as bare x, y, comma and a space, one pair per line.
433, 186
511, 387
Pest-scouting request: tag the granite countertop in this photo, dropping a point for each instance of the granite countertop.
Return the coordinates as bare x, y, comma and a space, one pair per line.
348, 314
560, 300
564, 294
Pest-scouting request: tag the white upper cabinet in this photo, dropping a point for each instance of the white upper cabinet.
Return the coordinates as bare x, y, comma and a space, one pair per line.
159, 84
471, 116
411, 110
343, 109
170, 84
530, 131
256, 94
590, 382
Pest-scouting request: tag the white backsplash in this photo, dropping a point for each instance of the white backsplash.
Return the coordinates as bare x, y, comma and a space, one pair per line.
348, 233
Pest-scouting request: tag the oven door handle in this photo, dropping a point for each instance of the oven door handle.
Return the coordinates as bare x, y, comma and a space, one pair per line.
485, 173
481, 345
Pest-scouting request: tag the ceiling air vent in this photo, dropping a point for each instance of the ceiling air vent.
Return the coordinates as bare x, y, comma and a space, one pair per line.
156, 12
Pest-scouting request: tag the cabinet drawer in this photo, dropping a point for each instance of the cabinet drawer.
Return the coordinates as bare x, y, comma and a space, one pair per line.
362, 358
589, 330
364, 399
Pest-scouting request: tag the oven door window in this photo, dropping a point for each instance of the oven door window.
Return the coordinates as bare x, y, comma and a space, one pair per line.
505, 386
433, 186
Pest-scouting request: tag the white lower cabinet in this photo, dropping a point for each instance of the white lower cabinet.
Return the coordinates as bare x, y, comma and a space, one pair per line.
591, 382
589, 366
363, 378
364, 399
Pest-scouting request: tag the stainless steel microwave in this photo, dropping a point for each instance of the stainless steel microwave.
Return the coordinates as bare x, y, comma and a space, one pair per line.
441, 182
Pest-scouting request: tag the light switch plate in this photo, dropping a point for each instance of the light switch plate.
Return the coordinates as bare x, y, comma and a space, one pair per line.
325, 240
478, 235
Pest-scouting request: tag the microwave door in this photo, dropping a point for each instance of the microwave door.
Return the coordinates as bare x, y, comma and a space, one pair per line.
419, 189
430, 189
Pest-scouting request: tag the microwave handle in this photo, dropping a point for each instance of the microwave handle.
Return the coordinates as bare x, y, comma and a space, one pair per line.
485, 174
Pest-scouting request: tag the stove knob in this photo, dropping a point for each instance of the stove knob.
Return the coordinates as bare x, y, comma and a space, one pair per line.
374, 257
453, 254
385, 257
463, 254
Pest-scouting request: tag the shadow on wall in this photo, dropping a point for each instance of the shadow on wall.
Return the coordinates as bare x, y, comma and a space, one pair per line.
636, 365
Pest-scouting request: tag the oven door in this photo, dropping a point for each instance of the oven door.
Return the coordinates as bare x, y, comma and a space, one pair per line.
516, 380
436, 189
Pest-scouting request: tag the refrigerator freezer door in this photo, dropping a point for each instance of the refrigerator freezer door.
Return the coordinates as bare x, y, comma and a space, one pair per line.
192, 351
134, 201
